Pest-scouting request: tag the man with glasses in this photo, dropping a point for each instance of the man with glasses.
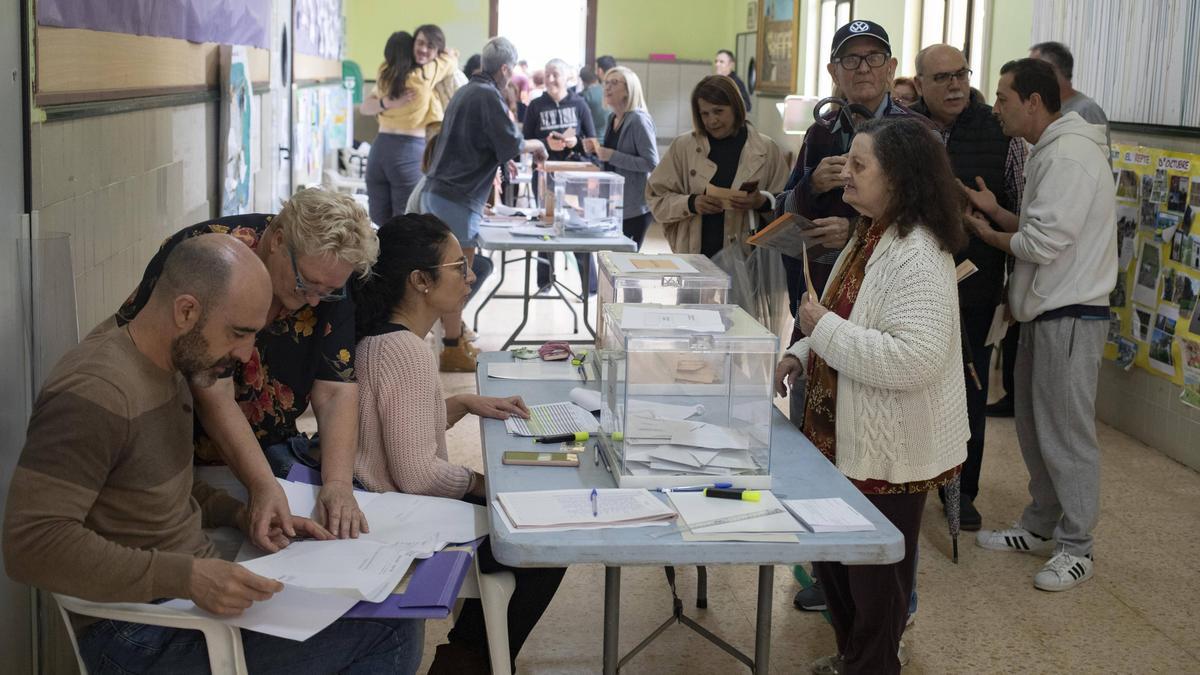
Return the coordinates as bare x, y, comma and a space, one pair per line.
247, 419
981, 156
862, 68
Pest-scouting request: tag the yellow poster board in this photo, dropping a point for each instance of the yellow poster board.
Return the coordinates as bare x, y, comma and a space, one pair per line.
1154, 322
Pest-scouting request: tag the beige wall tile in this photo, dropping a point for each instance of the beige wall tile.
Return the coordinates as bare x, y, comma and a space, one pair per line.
55, 186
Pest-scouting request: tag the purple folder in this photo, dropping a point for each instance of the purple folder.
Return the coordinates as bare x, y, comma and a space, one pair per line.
432, 587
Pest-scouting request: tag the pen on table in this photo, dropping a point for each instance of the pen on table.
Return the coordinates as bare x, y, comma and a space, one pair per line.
578, 363
738, 493
695, 488
579, 436
595, 504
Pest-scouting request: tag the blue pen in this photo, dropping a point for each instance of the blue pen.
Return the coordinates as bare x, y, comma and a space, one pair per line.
595, 504
696, 488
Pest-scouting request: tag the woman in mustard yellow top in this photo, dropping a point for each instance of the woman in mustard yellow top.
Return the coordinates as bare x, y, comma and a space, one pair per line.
405, 103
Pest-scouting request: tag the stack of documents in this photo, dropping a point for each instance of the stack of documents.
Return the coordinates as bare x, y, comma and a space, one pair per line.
659, 439
324, 579
705, 515
557, 510
552, 419
828, 515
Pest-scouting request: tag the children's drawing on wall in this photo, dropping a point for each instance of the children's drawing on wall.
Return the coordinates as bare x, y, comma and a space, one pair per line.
237, 121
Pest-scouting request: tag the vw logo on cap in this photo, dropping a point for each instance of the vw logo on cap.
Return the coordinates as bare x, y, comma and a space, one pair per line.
859, 27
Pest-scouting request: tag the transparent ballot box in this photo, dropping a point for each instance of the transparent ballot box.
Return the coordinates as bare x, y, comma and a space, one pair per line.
587, 203
686, 395
665, 279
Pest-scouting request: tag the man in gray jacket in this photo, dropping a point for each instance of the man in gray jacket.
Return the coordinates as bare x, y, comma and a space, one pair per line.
1065, 244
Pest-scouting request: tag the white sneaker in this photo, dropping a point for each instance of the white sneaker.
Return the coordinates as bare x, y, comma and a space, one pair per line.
1015, 538
1064, 572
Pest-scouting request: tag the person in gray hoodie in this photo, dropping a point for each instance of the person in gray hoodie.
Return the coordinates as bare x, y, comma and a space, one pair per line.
1065, 243
630, 148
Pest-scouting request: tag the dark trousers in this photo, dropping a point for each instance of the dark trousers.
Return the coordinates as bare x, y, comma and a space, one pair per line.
868, 604
545, 270
635, 228
976, 321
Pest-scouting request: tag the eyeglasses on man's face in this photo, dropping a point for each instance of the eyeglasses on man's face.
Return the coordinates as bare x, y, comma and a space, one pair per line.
306, 288
853, 61
962, 75
461, 263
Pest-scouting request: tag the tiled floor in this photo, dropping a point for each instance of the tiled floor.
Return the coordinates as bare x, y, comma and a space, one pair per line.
1141, 612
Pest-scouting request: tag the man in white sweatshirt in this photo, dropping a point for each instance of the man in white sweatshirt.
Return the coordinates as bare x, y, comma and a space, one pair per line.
1065, 244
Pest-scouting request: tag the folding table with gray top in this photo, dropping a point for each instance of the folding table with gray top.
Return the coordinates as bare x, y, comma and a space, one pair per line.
798, 470
501, 239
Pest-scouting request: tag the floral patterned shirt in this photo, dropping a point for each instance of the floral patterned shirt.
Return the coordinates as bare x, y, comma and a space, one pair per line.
290, 354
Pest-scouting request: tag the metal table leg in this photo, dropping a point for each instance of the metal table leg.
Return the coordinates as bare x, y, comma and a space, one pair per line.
762, 631
524, 307
585, 274
612, 618
488, 298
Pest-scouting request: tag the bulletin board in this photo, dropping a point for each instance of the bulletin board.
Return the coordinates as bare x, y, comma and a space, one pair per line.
1154, 323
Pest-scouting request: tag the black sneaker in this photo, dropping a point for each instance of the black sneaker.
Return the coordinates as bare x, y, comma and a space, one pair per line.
811, 599
1001, 408
968, 517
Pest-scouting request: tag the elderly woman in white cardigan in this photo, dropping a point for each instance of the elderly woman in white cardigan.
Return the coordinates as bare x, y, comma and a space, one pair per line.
885, 399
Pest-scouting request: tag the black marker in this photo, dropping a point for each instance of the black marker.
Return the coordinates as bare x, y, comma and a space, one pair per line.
579, 436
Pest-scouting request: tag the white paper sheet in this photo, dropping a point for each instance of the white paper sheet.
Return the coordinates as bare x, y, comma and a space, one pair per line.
293, 613
699, 320
511, 529
702, 435
356, 568
573, 508
553, 419
828, 515
588, 399
694, 508
533, 231
534, 370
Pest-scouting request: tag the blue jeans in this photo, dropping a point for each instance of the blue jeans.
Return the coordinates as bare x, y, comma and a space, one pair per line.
345, 646
281, 456
462, 220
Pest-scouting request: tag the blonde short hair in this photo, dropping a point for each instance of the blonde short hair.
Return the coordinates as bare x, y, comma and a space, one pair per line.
637, 100
317, 222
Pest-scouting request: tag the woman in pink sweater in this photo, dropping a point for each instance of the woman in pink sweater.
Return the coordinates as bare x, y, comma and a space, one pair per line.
421, 274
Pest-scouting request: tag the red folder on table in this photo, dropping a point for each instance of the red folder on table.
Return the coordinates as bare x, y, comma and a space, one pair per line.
432, 584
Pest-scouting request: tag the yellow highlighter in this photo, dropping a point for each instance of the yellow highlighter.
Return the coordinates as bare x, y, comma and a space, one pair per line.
733, 493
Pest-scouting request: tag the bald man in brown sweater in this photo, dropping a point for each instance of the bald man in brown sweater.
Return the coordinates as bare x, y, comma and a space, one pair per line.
103, 505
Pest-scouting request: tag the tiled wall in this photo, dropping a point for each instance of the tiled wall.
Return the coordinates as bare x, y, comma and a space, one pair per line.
119, 184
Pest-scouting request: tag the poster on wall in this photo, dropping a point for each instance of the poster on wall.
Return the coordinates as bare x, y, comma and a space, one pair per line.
237, 130
318, 28
1154, 317
778, 45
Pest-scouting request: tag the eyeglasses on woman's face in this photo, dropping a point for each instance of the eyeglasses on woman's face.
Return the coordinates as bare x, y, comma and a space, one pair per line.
308, 288
461, 263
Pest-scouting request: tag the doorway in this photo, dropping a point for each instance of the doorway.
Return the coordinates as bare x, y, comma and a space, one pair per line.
546, 29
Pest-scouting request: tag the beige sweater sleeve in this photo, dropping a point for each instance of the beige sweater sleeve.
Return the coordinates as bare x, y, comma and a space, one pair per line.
405, 401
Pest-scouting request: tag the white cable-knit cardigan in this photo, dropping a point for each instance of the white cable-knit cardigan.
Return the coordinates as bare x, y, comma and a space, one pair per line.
901, 396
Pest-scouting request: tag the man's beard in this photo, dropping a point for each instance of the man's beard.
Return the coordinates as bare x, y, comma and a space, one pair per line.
189, 353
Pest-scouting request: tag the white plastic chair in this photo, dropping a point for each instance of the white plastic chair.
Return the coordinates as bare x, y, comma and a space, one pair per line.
225, 654
494, 591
